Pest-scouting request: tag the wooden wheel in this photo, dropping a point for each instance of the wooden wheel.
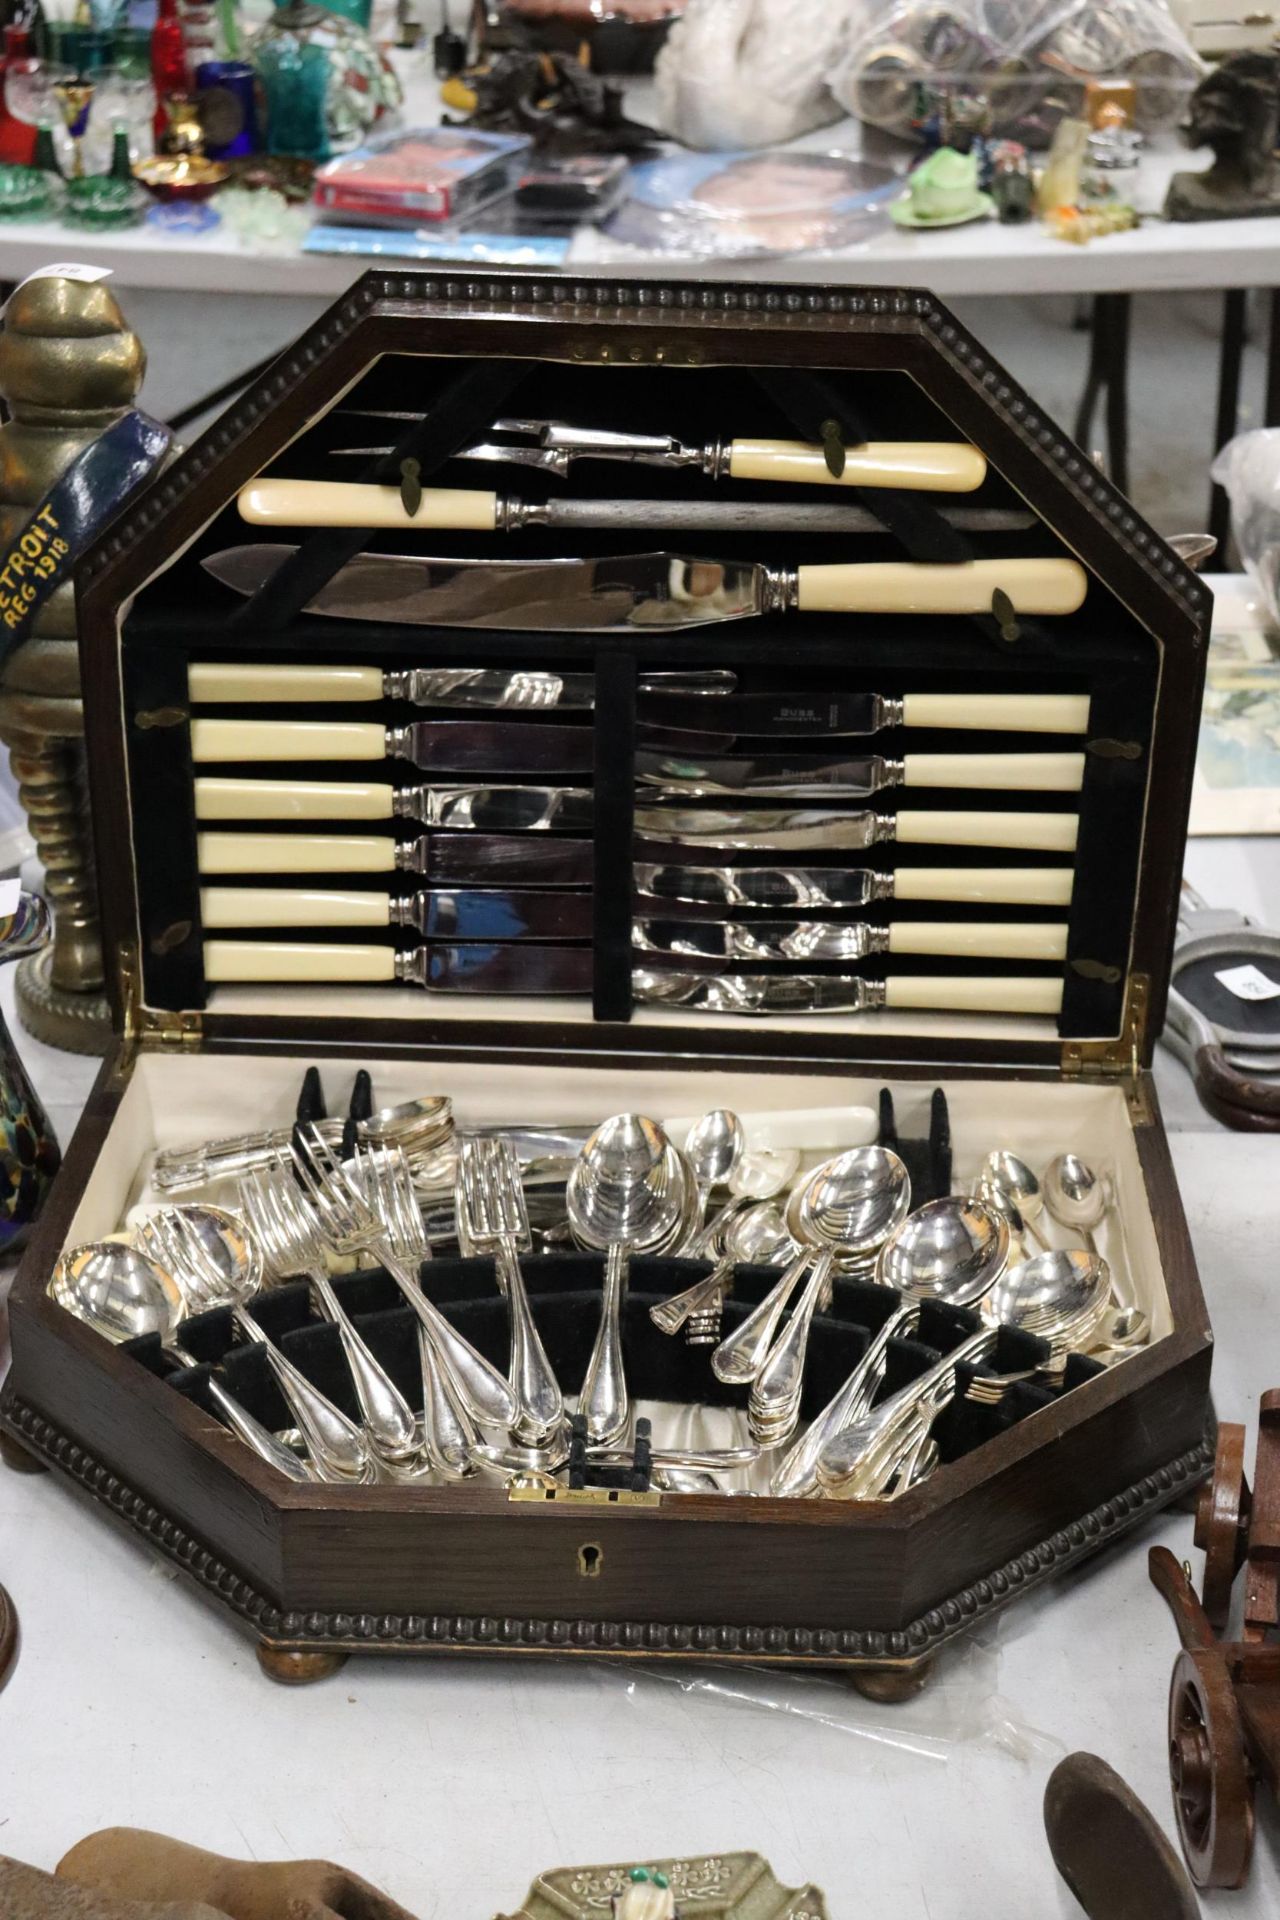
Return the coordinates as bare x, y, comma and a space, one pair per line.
1209, 1771
1222, 1524
8, 1635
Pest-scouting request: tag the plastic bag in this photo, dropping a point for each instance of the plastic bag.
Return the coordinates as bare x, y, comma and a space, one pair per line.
1249, 468
765, 201
750, 73
1024, 64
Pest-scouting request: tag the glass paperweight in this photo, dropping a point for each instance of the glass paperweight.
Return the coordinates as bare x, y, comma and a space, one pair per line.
325, 81
28, 194
264, 218
99, 201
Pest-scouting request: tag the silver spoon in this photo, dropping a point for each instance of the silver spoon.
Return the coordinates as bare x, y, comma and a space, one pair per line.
628, 1193
849, 1206
758, 1175
713, 1149
1061, 1296
953, 1250
754, 1237
1009, 1175
120, 1293
865, 1192
1080, 1200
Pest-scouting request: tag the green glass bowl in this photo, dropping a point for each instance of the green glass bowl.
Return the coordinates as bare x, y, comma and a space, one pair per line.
102, 201
27, 194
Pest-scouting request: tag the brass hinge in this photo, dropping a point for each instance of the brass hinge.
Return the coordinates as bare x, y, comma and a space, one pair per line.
168, 1032
541, 1489
1119, 1059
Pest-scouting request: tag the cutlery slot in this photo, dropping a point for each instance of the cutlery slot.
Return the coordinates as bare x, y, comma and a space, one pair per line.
615, 745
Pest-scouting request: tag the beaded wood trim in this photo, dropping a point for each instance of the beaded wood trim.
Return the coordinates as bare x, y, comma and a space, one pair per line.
452, 1633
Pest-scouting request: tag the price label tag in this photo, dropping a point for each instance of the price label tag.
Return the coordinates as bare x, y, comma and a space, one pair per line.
67, 270
1248, 983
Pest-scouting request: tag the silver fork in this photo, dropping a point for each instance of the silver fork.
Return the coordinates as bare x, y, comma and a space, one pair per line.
357, 1214
290, 1236
493, 1217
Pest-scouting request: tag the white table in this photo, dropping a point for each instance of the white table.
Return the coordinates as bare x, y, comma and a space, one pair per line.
452, 1784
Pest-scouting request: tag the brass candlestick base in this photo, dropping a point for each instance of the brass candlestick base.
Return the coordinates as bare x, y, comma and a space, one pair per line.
65, 1017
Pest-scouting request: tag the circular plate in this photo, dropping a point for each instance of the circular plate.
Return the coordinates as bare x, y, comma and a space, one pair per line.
1209, 1771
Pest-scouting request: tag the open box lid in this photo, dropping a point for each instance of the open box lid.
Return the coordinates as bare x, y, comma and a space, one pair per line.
909, 361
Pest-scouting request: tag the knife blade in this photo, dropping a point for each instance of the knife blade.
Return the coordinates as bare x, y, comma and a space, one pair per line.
535, 971
655, 592
814, 889
849, 941
461, 914
685, 774
832, 829
449, 859
482, 809
552, 446
673, 702
454, 746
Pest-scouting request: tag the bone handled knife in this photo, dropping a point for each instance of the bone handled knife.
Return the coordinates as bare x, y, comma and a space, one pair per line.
534, 971
461, 914
830, 828
849, 941
815, 889
484, 809
449, 859
552, 446
690, 702
456, 746
619, 593
689, 775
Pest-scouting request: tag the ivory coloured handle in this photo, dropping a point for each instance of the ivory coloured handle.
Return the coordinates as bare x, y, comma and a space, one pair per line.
1012, 886
1044, 832
344, 503
210, 680
964, 995
999, 712
295, 853
1000, 772
278, 960
287, 740
980, 940
927, 466
905, 586
292, 907
293, 800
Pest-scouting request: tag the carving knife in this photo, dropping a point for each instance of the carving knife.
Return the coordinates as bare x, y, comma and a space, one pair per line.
686, 774
676, 702
551, 446
507, 810
461, 914
849, 941
535, 971
446, 859
653, 592
819, 889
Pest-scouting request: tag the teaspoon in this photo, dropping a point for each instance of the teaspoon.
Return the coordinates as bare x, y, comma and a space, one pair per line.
1008, 1175
713, 1149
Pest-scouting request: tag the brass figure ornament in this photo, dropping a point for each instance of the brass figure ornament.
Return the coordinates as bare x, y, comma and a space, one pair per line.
69, 368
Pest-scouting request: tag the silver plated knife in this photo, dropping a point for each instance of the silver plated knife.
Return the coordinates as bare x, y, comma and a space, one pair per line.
674, 702
534, 971
819, 889
480, 809
849, 941
461, 914
687, 774
452, 746
446, 859
655, 592
834, 829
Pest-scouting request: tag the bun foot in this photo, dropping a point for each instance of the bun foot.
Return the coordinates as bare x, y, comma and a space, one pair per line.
16, 1457
8, 1636
890, 1685
290, 1668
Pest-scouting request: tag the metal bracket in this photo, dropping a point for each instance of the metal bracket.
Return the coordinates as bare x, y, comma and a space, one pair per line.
1116, 1059
541, 1490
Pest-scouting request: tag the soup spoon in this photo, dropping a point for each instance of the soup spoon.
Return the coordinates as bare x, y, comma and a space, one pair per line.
952, 1250
121, 1293
628, 1193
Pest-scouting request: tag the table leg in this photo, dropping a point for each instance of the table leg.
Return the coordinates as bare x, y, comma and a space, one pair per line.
1229, 369
1109, 373
220, 395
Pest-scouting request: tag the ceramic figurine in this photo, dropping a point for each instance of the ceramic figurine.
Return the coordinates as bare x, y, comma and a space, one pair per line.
646, 1896
69, 368
1235, 111
943, 191
1059, 184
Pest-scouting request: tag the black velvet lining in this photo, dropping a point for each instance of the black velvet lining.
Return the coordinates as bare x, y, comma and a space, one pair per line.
183, 614
564, 1291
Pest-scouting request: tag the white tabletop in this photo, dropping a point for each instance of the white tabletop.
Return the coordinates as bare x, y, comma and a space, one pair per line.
452, 1784
983, 258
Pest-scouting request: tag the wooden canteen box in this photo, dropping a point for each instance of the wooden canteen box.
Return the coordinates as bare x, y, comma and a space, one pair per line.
316, 1571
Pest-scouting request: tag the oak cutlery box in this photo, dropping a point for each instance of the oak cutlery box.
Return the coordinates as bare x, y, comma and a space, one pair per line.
314, 1572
